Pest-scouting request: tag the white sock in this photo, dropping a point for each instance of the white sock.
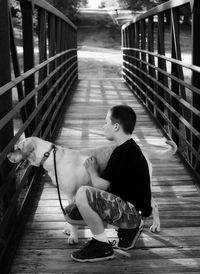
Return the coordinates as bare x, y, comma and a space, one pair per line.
101, 237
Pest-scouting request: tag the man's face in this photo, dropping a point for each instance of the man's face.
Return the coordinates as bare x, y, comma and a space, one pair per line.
109, 128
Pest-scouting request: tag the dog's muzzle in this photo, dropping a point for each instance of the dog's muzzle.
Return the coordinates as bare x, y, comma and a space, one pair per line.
15, 156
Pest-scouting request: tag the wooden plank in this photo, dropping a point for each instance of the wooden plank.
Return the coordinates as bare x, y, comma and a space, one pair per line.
176, 249
130, 265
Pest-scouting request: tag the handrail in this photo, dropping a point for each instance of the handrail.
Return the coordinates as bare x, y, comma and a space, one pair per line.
154, 11
167, 86
42, 91
47, 7
30, 72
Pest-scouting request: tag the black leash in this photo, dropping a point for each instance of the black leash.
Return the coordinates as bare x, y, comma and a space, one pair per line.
56, 176
45, 156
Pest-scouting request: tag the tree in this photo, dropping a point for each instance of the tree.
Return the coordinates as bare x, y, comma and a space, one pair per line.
84, 3
67, 7
15, 9
138, 4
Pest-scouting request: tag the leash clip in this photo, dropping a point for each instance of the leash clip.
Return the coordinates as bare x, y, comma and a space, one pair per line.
46, 154
54, 148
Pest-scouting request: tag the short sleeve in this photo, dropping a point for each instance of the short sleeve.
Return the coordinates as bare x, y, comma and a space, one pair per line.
114, 167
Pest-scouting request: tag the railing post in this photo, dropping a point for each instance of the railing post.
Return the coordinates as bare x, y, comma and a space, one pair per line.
174, 71
123, 43
143, 58
132, 53
161, 65
137, 55
151, 61
28, 54
42, 20
51, 44
195, 6
6, 133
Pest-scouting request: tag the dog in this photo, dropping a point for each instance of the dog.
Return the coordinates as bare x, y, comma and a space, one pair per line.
71, 171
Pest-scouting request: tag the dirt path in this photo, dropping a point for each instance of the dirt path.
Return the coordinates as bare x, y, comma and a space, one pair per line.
99, 43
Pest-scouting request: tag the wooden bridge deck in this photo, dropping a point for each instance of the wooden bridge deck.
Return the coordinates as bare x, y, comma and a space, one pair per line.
176, 249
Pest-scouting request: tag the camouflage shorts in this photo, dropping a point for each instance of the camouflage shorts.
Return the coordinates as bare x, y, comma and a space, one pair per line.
112, 209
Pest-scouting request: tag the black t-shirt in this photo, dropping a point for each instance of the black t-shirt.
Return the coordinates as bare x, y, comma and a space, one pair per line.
128, 174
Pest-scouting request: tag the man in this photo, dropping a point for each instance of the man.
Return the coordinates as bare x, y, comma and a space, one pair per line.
121, 196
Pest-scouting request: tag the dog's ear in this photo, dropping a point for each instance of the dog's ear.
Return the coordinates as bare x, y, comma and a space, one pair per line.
27, 148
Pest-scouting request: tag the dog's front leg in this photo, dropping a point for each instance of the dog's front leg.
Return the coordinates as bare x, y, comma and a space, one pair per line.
71, 231
73, 238
156, 219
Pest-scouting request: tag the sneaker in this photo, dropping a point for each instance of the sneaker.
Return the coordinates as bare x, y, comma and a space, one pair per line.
128, 237
94, 251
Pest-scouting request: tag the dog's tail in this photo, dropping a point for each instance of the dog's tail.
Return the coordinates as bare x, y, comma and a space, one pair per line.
165, 154
171, 149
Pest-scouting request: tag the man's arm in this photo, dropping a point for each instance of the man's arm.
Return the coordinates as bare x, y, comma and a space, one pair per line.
92, 168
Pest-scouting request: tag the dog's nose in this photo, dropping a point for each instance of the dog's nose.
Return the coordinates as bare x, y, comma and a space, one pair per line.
9, 155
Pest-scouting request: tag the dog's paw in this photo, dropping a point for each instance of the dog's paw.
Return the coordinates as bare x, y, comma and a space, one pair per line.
67, 231
155, 228
72, 240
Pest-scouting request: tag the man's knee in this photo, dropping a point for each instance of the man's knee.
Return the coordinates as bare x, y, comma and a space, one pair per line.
81, 196
67, 219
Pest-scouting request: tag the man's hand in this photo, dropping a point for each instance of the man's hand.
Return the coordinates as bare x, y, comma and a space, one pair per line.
91, 165
92, 168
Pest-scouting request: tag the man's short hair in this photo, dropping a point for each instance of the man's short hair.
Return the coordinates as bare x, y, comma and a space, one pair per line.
125, 116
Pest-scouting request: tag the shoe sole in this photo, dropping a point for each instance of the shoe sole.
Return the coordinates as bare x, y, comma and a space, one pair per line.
93, 260
135, 239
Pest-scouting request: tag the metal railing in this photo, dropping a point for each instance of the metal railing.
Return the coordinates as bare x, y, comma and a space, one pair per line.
41, 90
161, 65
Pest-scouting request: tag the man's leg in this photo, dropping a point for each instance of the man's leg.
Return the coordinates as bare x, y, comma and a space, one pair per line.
101, 205
98, 248
90, 217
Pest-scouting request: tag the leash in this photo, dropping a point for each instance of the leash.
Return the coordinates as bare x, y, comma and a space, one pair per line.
56, 176
45, 156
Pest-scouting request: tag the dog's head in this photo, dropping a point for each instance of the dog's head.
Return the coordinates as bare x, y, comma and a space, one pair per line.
26, 150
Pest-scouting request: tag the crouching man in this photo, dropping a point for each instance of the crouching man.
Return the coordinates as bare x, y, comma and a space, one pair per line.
121, 196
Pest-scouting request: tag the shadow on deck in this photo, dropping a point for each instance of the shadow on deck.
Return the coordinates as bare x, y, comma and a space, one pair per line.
176, 249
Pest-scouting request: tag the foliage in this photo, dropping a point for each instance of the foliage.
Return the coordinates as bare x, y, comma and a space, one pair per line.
84, 3
102, 4
68, 7
15, 9
138, 4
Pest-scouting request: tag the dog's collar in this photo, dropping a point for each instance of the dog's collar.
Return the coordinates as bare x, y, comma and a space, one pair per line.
46, 154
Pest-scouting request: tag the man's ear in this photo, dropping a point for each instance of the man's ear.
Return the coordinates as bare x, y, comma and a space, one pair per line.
117, 126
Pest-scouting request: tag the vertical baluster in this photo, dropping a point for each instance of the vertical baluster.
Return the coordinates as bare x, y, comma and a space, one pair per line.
196, 78
132, 54
42, 57
151, 61
162, 65
175, 87
143, 58
6, 133
28, 55
137, 54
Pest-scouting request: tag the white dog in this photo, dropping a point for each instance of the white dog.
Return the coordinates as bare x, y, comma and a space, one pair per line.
71, 170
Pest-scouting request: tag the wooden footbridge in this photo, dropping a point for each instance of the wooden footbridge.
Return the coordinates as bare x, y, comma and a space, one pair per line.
48, 100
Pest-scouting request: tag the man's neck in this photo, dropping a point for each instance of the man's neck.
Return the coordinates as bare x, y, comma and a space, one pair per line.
122, 139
